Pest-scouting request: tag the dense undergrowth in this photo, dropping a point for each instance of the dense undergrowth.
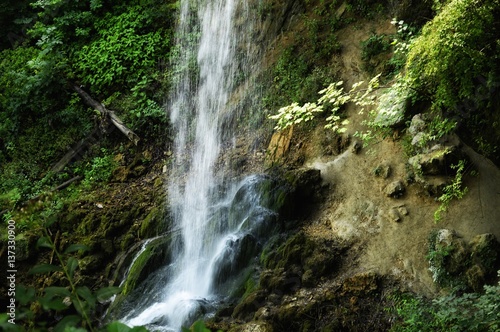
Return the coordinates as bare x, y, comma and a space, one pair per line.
120, 54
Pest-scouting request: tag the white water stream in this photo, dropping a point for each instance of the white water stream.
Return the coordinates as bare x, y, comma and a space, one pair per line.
199, 115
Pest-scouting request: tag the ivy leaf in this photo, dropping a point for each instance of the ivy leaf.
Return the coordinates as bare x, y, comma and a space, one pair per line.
44, 268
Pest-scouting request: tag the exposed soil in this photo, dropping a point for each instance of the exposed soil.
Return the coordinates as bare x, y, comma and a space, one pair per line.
359, 211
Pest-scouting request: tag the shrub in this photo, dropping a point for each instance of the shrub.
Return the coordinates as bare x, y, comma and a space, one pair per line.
457, 47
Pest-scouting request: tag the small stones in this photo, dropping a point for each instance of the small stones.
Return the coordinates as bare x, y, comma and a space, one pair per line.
394, 215
395, 189
403, 210
383, 171
356, 147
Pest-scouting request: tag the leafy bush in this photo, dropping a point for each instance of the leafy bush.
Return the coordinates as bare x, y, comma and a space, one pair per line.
467, 312
99, 170
454, 190
333, 98
73, 304
455, 49
121, 53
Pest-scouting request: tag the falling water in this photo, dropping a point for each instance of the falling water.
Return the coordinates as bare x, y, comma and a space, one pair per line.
213, 51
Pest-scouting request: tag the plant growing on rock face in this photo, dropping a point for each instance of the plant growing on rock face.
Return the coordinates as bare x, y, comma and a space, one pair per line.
451, 191
456, 312
333, 98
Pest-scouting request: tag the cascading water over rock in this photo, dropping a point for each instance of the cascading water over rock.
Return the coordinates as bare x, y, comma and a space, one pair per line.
222, 222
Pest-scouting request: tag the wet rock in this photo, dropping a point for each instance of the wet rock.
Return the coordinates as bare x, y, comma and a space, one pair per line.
448, 258
281, 281
306, 192
395, 189
456, 250
245, 309
237, 255
334, 144
434, 185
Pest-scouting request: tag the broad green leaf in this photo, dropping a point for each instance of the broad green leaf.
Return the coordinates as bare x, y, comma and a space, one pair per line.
81, 307
199, 326
53, 304
56, 291
66, 323
44, 268
45, 243
8, 327
25, 295
117, 327
71, 266
74, 329
87, 295
76, 247
106, 292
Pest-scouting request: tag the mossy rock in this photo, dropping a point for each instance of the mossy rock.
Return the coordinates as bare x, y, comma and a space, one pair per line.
321, 257
485, 250
153, 224
155, 255
246, 308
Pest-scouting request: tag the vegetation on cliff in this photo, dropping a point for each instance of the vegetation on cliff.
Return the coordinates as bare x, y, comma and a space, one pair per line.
446, 68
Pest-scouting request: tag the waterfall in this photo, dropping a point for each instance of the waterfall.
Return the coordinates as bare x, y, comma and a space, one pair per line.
221, 219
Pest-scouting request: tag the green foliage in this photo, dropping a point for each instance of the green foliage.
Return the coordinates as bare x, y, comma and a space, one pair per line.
62, 298
455, 48
401, 42
198, 326
333, 98
467, 312
371, 48
454, 190
294, 114
120, 53
436, 258
99, 169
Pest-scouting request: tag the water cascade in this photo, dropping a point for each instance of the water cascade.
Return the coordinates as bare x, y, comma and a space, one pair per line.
223, 222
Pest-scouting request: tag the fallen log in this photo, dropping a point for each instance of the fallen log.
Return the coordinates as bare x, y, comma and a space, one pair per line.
115, 120
78, 150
